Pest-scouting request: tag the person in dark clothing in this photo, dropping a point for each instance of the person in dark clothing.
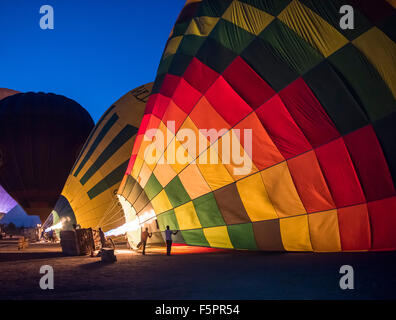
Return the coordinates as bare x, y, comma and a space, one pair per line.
102, 238
144, 237
168, 236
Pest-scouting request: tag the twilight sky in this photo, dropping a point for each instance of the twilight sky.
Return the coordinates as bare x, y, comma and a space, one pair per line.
98, 50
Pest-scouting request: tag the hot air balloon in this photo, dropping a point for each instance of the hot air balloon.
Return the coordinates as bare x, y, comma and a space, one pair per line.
6, 202
6, 93
41, 136
90, 193
309, 109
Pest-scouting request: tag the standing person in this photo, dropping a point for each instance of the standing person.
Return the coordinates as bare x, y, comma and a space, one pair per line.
145, 235
168, 236
102, 238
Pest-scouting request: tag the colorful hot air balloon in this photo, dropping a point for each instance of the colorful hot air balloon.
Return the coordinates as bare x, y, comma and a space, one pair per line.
89, 195
41, 136
312, 107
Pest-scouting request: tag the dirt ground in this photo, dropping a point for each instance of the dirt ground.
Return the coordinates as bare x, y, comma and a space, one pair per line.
200, 274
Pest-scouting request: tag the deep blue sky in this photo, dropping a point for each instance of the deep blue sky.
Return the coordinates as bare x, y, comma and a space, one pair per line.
98, 51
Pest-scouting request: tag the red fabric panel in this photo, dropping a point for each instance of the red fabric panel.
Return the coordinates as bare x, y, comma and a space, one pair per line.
282, 129
200, 76
383, 223
340, 174
169, 85
185, 96
227, 102
150, 104
375, 10
310, 183
247, 83
354, 225
161, 104
308, 113
130, 164
370, 164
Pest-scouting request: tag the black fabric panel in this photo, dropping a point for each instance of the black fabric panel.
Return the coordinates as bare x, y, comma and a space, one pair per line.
215, 56
188, 12
267, 63
364, 81
388, 26
273, 7
335, 98
213, 8
386, 133
329, 10
375, 10
158, 83
179, 64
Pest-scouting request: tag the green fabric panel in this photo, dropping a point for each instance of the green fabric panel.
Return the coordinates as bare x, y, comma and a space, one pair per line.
153, 187
165, 65
122, 137
368, 86
273, 7
292, 49
109, 124
113, 178
242, 236
213, 8
195, 237
231, 36
176, 193
190, 45
180, 28
329, 11
167, 218
215, 56
208, 212
179, 64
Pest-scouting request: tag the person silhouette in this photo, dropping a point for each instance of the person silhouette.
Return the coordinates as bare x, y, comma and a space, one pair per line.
168, 236
145, 235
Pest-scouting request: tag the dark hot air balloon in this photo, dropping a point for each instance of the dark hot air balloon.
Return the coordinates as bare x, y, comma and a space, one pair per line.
41, 135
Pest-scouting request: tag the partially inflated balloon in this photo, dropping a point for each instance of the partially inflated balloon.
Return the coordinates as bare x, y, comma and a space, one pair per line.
311, 107
6, 202
41, 136
89, 195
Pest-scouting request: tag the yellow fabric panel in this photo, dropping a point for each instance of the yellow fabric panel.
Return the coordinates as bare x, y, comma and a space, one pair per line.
144, 175
381, 52
231, 153
325, 235
218, 237
216, 175
164, 173
255, 198
172, 46
311, 27
161, 203
247, 17
171, 156
295, 233
187, 217
282, 191
194, 182
201, 26
137, 166
392, 3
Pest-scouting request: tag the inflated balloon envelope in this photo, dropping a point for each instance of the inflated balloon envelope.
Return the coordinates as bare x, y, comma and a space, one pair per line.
320, 102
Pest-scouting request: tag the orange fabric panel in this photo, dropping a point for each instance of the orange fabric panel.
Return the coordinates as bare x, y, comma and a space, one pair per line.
325, 235
194, 182
264, 152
